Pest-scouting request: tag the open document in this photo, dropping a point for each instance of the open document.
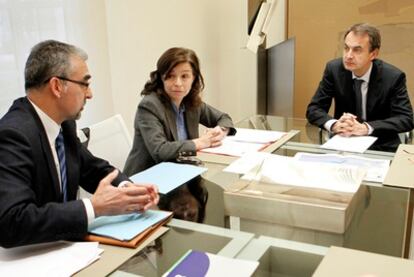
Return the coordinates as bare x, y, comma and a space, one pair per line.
245, 141
60, 258
349, 144
376, 168
289, 171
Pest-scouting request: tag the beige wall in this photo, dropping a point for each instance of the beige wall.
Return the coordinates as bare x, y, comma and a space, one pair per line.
319, 37
140, 31
90, 33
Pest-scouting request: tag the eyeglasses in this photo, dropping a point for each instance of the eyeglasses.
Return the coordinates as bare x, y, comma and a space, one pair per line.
84, 84
81, 83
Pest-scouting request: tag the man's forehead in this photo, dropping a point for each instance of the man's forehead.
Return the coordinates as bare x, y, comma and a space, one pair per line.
79, 66
356, 39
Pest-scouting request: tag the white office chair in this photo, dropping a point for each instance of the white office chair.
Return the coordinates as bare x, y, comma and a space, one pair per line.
109, 140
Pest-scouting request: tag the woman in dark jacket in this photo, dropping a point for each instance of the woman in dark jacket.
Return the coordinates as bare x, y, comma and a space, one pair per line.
168, 116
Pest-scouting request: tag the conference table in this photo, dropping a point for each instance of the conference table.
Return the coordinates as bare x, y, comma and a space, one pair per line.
222, 214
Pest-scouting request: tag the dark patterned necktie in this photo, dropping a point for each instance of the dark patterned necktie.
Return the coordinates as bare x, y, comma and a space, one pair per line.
60, 150
358, 98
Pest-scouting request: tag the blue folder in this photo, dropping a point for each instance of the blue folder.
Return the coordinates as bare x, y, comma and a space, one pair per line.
168, 176
126, 227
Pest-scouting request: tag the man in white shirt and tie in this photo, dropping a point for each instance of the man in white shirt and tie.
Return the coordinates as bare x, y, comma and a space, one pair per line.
40, 174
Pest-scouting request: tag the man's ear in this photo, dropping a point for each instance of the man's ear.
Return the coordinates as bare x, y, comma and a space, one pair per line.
374, 54
56, 86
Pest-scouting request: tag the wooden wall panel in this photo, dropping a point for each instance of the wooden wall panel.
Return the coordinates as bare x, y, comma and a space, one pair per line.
318, 26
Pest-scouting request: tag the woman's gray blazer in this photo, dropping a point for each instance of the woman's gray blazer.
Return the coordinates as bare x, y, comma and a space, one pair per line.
156, 139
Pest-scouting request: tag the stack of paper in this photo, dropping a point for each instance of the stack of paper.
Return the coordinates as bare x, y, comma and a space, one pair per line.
201, 264
160, 175
288, 171
245, 141
126, 230
48, 259
376, 168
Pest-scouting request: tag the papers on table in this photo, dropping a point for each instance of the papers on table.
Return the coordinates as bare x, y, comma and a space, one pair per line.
235, 148
358, 144
199, 264
245, 141
126, 227
256, 136
48, 259
168, 176
376, 168
288, 171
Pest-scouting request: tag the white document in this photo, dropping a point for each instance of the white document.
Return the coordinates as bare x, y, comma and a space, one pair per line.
245, 141
48, 259
288, 171
376, 168
358, 144
256, 136
247, 162
235, 148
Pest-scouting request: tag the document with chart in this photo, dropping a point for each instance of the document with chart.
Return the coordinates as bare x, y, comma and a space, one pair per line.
288, 171
201, 264
376, 168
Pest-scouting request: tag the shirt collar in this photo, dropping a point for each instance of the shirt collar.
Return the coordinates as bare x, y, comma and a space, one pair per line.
51, 127
180, 110
364, 77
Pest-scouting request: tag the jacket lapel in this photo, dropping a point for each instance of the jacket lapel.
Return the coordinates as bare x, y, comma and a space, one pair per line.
374, 86
192, 120
170, 117
47, 152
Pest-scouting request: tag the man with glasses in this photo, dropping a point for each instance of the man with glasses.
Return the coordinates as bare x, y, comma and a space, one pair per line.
42, 163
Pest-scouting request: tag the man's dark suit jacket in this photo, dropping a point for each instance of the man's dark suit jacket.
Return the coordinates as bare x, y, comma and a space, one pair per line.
31, 208
388, 108
156, 138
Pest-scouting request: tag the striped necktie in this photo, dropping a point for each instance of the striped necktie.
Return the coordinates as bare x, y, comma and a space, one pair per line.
60, 150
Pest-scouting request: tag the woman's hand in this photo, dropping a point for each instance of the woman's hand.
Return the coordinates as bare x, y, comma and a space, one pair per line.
212, 137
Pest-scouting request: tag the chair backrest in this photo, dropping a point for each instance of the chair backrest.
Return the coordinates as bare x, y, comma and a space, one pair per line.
109, 140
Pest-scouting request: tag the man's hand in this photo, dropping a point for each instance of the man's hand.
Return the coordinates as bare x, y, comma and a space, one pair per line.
110, 200
348, 125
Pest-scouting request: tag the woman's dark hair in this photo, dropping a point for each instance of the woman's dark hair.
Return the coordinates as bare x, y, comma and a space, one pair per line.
187, 202
168, 60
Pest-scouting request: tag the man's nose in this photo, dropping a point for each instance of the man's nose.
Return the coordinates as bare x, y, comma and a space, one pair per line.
89, 93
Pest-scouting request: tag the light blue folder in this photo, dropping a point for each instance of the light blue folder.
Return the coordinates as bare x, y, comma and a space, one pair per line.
167, 176
126, 227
